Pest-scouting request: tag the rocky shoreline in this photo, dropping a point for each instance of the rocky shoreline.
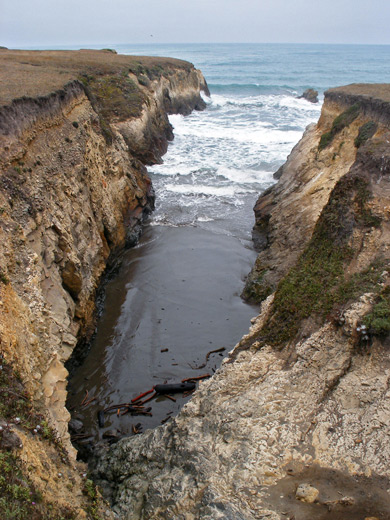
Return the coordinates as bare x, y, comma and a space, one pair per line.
295, 422
74, 192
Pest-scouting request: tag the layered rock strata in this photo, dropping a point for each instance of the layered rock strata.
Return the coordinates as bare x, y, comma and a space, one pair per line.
295, 424
73, 192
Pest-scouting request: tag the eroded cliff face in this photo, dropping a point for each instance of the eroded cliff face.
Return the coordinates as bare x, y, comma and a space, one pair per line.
295, 424
74, 191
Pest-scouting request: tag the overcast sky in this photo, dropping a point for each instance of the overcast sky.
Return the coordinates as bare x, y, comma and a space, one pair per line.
26, 23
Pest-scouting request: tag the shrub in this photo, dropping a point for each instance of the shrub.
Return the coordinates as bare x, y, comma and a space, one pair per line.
340, 122
366, 131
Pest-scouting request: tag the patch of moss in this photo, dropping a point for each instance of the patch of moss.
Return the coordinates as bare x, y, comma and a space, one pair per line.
325, 140
255, 290
90, 490
366, 131
3, 277
19, 499
113, 96
340, 122
317, 282
359, 283
378, 320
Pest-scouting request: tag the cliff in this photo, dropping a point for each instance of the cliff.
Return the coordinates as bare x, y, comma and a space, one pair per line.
295, 424
76, 131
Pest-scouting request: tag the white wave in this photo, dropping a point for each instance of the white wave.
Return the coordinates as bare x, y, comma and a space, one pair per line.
301, 104
242, 176
257, 132
216, 191
204, 219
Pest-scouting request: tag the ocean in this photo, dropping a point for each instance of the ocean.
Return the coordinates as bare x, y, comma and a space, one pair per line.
221, 159
176, 297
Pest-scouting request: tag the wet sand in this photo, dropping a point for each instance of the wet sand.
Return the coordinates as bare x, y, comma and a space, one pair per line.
179, 289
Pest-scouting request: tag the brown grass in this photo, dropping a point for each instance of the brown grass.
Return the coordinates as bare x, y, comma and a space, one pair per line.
37, 73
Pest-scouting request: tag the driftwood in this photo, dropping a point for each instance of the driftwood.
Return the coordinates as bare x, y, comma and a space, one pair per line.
116, 406
174, 388
195, 378
142, 395
148, 399
85, 398
86, 403
222, 349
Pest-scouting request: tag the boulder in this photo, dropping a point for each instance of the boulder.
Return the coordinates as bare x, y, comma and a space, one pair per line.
310, 95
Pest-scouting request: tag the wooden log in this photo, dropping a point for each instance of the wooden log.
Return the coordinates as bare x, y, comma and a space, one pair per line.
142, 395
174, 388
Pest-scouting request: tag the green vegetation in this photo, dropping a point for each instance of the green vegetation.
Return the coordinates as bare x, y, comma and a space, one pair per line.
90, 490
113, 96
15, 402
256, 290
340, 122
378, 320
366, 131
19, 498
317, 283
3, 277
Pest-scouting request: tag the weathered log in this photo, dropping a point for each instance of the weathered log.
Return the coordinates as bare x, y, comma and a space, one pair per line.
174, 388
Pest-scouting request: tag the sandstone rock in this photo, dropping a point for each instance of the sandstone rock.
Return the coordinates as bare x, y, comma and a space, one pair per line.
347, 501
306, 493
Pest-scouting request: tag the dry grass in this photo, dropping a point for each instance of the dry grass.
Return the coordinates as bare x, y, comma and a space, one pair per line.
37, 73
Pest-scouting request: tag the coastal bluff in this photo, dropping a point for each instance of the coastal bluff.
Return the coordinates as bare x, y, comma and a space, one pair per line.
295, 424
77, 129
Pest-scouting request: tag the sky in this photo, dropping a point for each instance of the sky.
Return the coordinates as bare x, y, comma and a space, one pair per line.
27, 23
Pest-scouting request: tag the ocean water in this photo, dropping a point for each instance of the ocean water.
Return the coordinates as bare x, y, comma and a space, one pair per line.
176, 297
221, 159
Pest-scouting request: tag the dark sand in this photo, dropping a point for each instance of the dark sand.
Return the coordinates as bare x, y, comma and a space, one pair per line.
178, 290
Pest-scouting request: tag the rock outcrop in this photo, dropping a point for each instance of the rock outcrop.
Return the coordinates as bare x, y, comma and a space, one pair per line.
76, 131
310, 95
295, 424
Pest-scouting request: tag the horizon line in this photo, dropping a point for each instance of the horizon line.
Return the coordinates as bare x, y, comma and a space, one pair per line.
29, 46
